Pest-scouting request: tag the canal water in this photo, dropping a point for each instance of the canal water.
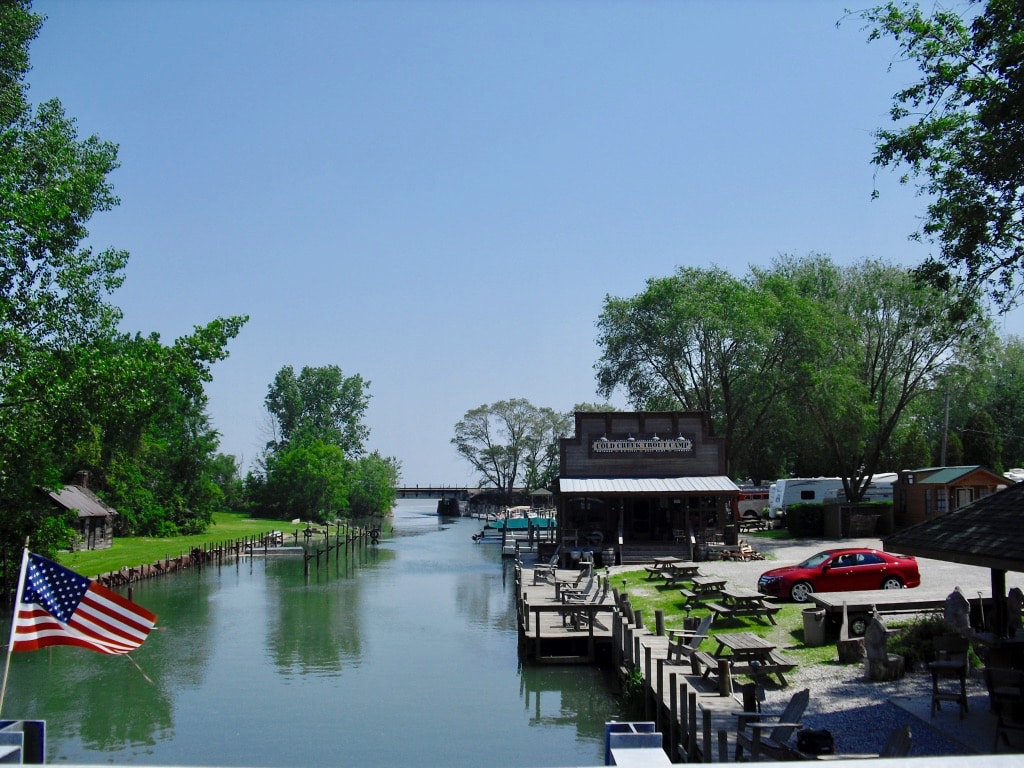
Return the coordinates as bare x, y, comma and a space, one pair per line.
404, 653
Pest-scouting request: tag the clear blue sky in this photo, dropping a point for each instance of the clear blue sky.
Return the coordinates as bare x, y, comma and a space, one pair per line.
439, 195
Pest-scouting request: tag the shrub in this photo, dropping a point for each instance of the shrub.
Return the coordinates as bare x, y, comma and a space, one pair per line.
914, 642
806, 520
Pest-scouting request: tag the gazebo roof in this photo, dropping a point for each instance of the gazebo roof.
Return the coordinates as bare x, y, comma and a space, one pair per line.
988, 532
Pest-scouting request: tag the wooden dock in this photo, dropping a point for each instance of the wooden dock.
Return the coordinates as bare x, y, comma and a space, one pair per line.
698, 720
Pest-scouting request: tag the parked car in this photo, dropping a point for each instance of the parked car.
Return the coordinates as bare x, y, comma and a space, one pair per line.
841, 570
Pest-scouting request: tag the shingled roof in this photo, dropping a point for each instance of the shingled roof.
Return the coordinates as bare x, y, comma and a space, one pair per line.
81, 500
988, 532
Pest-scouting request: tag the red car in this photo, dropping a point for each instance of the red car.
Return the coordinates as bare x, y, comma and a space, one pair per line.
841, 570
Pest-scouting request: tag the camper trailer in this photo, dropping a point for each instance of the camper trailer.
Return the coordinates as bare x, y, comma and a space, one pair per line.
803, 490
824, 490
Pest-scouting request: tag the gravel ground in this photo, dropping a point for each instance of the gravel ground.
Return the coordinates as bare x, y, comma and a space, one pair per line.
861, 713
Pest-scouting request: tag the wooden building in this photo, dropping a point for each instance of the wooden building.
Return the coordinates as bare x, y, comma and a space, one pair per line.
95, 519
643, 483
923, 494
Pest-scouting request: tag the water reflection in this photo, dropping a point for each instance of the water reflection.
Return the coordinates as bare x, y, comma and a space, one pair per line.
401, 653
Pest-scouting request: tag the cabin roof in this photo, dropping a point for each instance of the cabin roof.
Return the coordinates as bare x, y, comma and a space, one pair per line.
81, 500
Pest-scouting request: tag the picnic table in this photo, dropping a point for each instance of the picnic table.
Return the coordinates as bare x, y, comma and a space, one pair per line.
748, 654
750, 524
701, 588
737, 602
660, 565
678, 573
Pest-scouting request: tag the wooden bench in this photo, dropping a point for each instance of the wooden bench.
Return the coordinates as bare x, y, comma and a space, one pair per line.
673, 577
693, 599
767, 610
708, 661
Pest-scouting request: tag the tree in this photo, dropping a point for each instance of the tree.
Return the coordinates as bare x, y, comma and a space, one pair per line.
960, 134
321, 403
509, 440
1005, 398
315, 466
541, 447
882, 339
702, 340
310, 480
54, 294
981, 442
374, 480
75, 392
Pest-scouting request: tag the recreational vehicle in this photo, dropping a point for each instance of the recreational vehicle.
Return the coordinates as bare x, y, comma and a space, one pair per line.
824, 490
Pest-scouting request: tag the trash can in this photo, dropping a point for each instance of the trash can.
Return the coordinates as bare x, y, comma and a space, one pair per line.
608, 557
730, 536
814, 627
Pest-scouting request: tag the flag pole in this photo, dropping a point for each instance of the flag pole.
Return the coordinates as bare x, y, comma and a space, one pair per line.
14, 622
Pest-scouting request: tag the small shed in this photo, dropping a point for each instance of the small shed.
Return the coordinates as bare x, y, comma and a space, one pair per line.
923, 494
95, 518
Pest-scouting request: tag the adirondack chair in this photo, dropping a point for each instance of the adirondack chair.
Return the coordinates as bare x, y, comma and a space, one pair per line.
771, 738
684, 643
546, 571
597, 590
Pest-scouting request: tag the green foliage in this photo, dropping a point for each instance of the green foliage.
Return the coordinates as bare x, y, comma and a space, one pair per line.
914, 641
806, 520
321, 404
373, 485
981, 441
316, 469
309, 481
75, 393
510, 442
702, 340
959, 132
633, 693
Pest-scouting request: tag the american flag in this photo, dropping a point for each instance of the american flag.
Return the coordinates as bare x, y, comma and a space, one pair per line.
59, 607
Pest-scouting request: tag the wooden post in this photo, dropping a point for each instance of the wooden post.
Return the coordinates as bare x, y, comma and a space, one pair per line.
659, 623
724, 679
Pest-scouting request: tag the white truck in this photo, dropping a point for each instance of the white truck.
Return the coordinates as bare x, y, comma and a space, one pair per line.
823, 490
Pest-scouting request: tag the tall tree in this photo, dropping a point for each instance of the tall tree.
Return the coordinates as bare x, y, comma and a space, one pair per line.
960, 134
75, 392
54, 293
321, 403
541, 447
882, 339
701, 340
509, 440
316, 467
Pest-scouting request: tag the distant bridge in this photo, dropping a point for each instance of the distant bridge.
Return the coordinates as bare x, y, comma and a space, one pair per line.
435, 492
442, 492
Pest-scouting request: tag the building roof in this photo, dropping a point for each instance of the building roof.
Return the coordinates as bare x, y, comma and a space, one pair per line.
647, 485
949, 475
988, 532
81, 500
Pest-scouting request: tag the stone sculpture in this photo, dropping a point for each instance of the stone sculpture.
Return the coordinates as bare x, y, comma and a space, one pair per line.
879, 664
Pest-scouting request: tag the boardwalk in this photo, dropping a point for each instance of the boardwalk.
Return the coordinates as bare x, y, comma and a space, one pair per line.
697, 721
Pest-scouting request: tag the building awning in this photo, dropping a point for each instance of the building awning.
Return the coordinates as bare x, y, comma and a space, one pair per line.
646, 485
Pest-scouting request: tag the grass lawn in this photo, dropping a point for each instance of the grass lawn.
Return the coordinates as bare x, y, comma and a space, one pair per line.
788, 635
139, 550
